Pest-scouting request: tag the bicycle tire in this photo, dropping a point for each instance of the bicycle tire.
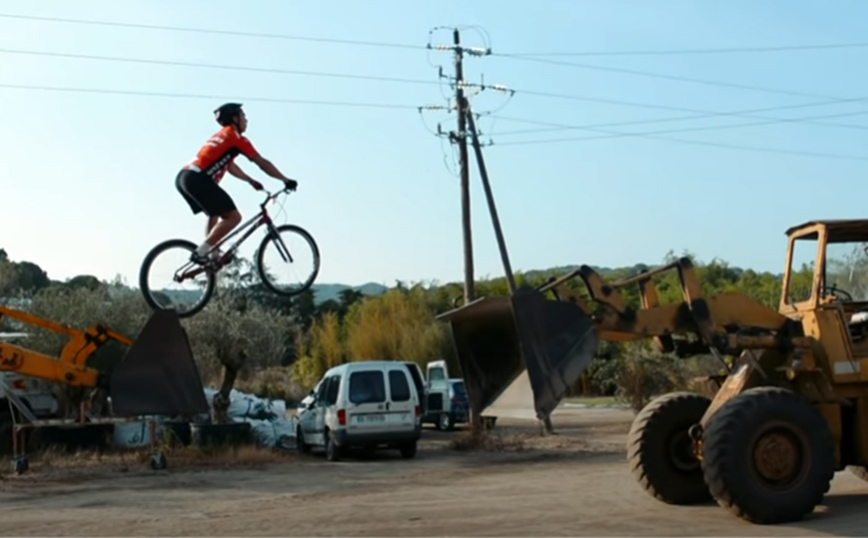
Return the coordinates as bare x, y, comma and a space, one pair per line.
263, 275
146, 265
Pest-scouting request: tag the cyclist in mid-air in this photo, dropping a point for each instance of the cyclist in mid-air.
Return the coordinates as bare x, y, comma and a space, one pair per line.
198, 181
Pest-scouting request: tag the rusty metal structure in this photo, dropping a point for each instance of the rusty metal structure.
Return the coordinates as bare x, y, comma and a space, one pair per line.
790, 411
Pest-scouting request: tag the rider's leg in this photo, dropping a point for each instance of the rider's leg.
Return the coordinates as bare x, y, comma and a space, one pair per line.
206, 194
212, 221
227, 222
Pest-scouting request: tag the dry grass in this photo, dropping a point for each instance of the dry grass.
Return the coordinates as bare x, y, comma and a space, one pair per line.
488, 441
189, 457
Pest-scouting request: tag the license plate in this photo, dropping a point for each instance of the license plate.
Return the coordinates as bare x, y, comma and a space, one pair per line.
371, 418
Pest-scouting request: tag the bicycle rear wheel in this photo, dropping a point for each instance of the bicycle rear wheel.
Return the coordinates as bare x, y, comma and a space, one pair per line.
287, 247
186, 301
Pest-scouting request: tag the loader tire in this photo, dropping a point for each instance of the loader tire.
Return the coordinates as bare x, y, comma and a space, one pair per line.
768, 456
659, 449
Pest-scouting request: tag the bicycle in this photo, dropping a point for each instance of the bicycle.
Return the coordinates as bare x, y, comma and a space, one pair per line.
212, 266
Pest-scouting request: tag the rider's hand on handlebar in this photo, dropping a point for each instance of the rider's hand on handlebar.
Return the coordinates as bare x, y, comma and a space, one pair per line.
291, 184
255, 184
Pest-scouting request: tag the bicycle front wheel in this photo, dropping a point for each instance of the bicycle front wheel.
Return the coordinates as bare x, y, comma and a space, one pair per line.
170, 281
288, 260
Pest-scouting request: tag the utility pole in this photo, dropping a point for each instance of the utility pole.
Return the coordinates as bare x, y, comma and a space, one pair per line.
461, 140
460, 137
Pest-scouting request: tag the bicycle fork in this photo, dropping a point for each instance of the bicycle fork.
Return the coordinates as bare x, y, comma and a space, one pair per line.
279, 242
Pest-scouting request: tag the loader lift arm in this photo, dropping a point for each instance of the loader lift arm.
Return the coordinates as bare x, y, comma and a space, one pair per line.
70, 367
728, 322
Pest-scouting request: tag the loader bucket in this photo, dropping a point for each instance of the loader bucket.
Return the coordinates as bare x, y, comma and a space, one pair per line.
519, 355
157, 376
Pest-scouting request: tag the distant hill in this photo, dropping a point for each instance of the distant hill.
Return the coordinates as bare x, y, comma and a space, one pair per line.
331, 291
322, 292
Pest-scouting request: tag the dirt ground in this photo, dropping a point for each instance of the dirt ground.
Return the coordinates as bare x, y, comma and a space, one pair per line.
573, 483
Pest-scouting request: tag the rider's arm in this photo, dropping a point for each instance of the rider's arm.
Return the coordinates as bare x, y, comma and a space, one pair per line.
266, 166
239, 173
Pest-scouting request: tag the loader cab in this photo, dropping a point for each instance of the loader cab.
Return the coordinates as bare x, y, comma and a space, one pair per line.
826, 287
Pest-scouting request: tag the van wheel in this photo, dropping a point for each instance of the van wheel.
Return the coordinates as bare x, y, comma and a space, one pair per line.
408, 451
333, 451
300, 445
444, 422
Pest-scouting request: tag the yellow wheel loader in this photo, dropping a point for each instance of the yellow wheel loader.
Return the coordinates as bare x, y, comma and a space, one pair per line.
790, 412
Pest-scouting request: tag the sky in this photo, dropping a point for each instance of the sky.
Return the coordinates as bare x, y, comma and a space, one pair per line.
87, 177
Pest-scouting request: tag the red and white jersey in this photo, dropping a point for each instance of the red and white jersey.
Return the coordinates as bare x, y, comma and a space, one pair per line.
219, 151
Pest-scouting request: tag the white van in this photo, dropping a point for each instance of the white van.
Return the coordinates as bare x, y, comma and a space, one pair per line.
362, 404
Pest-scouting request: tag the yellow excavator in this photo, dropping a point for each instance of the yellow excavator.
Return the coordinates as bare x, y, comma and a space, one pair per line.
155, 377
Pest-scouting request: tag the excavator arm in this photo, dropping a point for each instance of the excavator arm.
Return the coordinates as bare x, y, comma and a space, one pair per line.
156, 376
70, 367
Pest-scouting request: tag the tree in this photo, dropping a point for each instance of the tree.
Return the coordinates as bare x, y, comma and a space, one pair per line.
85, 281
21, 277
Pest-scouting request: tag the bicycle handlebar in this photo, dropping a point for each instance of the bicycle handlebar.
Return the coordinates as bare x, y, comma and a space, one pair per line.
271, 196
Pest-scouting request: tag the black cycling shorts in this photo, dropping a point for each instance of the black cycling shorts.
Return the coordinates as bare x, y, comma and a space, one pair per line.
203, 193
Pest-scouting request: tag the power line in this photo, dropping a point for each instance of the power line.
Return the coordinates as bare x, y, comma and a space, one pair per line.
420, 47
216, 66
213, 97
676, 78
737, 113
395, 80
616, 134
398, 80
218, 32
398, 106
709, 114
409, 46
653, 136
724, 146
666, 52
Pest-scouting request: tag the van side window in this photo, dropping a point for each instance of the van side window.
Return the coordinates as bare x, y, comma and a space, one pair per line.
332, 391
367, 387
398, 386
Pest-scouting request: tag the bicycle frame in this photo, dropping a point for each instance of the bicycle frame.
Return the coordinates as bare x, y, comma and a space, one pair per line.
252, 224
